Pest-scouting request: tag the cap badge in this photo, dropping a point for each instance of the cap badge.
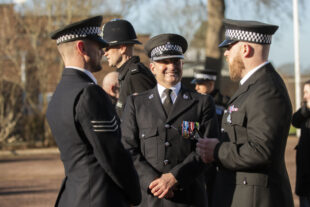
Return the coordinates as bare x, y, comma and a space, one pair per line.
151, 96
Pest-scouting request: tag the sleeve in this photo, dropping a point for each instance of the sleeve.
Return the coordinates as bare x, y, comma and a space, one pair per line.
261, 130
99, 123
131, 142
192, 166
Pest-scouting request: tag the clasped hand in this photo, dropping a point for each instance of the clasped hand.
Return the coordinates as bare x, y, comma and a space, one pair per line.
163, 187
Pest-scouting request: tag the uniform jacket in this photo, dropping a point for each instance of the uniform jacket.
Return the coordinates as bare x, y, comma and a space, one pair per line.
86, 130
255, 127
158, 147
301, 119
134, 77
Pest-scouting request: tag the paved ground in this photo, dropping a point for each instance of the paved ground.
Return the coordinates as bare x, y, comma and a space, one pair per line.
32, 178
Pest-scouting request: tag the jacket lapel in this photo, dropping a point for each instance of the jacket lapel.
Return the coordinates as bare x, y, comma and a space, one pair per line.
183, 102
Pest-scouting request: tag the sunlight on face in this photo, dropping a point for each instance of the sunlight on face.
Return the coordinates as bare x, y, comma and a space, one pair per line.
168, 72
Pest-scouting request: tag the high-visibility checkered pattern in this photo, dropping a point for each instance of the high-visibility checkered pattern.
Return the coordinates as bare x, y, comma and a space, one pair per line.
78, 33
158, 51
248, 36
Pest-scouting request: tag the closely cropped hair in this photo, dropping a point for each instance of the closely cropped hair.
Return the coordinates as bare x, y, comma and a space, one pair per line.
307, 82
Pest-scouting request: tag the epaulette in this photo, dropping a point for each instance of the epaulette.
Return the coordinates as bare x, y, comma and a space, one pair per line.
134, 70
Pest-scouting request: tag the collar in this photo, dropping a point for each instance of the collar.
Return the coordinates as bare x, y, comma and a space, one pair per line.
251, 72
84, 71
175, 91
125, 67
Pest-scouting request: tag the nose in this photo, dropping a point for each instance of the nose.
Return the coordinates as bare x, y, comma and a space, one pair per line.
226, 53
196, 87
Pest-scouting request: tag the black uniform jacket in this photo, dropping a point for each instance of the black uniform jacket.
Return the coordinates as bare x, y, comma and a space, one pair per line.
134, 77
254, 133
87, 132
301, 119
157, 145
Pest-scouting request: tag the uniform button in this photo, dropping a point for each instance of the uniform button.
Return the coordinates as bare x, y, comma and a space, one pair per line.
167, 126
245, 181
167, 144
166, 162
222, 130
142, 135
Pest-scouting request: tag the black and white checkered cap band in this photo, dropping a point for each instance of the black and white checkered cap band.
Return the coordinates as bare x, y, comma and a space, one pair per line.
248, 36
161, 51
78, 33
205, 76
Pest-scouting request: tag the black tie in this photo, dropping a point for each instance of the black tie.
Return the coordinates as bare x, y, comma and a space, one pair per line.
167, 102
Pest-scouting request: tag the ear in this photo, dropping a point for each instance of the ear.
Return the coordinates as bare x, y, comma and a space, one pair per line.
81, 47
152, 67
123, 49
247, 50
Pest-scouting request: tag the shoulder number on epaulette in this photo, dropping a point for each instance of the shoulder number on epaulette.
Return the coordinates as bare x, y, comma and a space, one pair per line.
134, 71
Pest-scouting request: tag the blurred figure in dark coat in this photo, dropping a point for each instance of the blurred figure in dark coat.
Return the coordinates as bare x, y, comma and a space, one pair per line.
301, 119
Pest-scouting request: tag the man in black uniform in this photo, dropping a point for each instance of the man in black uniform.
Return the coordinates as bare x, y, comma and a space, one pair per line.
85, 126
157, 126
134, 77
255, 126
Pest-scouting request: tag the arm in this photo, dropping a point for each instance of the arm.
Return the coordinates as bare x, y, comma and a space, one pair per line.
131, 142
301, 116
96, 116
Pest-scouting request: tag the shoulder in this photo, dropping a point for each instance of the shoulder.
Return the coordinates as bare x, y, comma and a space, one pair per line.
94, 93
137, 68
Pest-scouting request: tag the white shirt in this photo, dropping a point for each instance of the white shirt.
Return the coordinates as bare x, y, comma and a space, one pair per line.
89, 74
251, 72
175, 91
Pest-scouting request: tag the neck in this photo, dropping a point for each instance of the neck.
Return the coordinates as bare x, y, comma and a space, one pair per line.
251, 64
125, 58
77, 63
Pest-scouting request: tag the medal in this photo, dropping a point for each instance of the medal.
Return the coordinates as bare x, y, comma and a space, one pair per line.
190, 129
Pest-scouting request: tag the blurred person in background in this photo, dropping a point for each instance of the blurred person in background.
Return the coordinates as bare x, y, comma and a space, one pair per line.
134, 77
301, 119
204, 81
110, 85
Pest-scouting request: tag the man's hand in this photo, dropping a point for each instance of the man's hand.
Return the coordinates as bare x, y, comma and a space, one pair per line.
162, 187
205, 148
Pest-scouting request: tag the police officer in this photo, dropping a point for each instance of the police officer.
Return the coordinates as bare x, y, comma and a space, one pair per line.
205, 84
156, 128
97, 166
134, 77
255, 126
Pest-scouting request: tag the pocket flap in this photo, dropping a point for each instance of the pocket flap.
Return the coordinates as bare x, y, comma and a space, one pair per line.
257, 179
148, 132
237, 118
